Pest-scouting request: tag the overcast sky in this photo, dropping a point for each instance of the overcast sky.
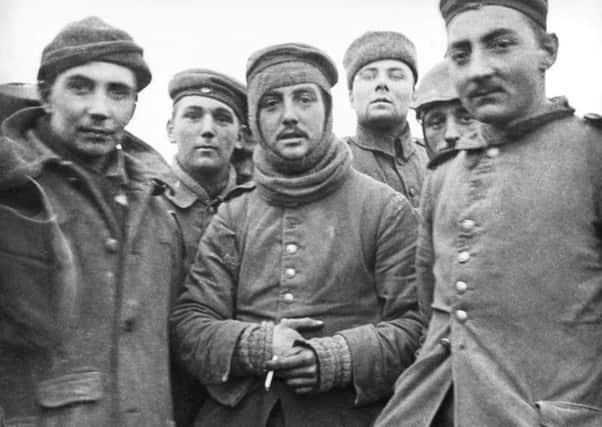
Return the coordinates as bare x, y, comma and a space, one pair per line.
221, 34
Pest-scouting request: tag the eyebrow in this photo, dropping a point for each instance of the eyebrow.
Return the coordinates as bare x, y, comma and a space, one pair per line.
304, 89
498, 32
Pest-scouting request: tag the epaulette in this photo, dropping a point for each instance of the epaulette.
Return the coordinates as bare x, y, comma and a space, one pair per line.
593, 119
239, 190
442, 157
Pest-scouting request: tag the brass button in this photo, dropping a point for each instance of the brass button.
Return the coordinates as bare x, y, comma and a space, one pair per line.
461, 315
493, 152
412, 192
445, 342
291, 248
112, 245
461, 287
468, 224
463, 257
290, 272
288, 297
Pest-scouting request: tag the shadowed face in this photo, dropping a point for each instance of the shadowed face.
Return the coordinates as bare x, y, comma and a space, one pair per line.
444, 123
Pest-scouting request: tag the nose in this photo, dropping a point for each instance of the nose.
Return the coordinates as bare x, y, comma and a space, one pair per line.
381, 83
452, 132
99, 106
479, 66
207, 126
289, 114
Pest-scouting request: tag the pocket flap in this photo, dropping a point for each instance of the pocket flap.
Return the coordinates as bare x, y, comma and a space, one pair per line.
72, 388
569, 414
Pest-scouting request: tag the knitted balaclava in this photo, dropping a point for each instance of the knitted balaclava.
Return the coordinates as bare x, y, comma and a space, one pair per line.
286, 65
378, 45
91, 39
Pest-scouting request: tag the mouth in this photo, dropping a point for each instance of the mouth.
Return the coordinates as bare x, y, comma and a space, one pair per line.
484, 92
381, 101
290, 135
95, 133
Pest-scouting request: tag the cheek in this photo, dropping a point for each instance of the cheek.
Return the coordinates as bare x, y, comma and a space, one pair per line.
124, 113
432, 135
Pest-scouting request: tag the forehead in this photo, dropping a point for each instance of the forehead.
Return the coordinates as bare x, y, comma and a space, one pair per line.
292, 89
203, 102
386, 64
474, 24
101, 72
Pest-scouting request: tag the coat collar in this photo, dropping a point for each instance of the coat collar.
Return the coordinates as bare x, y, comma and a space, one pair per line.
395, 144
186, 190
136, 161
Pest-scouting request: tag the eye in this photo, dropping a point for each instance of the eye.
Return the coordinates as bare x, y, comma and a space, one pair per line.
223, 118
459, 57
465, 118
192, 114
120, 92
269, 103
434, 121
501, 44
367, 74
397, 74
80, 86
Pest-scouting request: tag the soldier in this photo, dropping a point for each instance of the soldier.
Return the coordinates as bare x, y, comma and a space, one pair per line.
89, 252
209, 113
309, 276
381, 75
443, 117
509, 252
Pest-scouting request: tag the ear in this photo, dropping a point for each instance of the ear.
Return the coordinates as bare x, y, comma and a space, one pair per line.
169, 128
549, 47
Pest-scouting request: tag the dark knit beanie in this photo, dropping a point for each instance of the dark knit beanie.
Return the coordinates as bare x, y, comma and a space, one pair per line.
91, 39
537, 10
375, 46
211, 84
290, 64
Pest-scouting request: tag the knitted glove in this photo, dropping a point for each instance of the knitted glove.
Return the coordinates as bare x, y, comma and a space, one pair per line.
334, 361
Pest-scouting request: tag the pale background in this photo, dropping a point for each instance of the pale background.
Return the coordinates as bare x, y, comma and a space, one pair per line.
221, 34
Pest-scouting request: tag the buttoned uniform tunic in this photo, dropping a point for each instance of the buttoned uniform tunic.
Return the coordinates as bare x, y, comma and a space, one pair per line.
193, 206
346, 259
399, 162
194, 209
510, 256
107, 363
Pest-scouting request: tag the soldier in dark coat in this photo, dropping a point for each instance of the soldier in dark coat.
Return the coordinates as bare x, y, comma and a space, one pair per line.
89, 253
381, 74
510, 246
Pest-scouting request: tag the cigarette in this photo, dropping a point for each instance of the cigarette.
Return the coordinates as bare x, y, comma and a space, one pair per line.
269, 377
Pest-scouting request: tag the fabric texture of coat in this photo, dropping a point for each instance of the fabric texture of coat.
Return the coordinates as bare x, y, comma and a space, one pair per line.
402, 167
346, 259
96, 273
509, 267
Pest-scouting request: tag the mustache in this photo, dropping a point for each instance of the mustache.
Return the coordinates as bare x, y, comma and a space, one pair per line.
292, 133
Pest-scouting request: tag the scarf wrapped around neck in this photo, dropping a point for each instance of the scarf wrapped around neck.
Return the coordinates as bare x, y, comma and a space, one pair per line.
296, 189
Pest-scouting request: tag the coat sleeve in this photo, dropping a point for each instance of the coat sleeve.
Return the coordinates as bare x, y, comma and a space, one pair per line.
380, 352
204, 334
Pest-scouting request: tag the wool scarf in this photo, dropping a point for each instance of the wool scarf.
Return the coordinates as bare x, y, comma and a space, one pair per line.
296, 189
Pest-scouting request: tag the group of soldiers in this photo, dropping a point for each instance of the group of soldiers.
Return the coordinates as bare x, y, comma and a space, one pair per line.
276, 275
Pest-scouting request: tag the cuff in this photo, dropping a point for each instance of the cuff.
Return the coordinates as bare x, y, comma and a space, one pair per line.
254, 348
334, 361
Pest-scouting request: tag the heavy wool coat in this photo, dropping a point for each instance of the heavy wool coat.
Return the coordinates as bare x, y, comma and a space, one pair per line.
346, 259
98, 272
509, 264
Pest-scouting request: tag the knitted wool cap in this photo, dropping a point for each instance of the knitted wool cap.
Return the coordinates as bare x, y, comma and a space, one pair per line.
435, 86
91, 39
283, 65
537, 10
211, 84
377, 45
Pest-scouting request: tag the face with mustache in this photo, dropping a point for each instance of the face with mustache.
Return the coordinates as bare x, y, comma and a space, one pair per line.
206, 131
292, 119
90, 105
382, 92
498, 63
